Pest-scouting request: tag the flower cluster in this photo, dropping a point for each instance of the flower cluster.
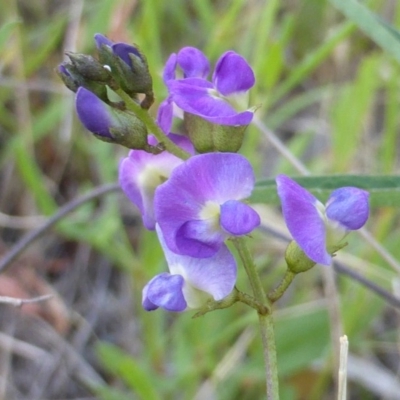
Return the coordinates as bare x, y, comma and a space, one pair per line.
196, 202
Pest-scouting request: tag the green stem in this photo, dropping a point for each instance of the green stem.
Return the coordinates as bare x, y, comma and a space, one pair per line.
265, 320
151, 125
278, 292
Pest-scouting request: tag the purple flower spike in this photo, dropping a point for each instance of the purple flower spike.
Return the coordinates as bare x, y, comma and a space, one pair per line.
94, 114
215, 102
191, 282
198, 207
314, 226
140, 173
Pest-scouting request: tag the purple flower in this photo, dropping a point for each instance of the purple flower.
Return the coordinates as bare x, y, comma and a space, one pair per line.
199, 206
141, 173
214, 101
315, 227
191, 282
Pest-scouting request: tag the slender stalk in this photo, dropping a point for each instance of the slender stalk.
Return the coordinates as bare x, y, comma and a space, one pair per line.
151, 125
265, 320
278, 292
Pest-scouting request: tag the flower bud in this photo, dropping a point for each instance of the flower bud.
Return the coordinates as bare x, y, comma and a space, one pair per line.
296, 259
128, 66
210, 137
110, 124
89, 68
73, 80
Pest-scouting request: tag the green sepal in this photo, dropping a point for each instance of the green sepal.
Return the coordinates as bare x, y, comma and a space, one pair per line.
296, 260
208, 137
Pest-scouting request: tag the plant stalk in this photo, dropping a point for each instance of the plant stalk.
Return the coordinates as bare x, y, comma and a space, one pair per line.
151, 125
265, 320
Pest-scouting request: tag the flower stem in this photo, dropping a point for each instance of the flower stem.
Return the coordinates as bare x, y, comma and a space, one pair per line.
265, 320
277, 293
151, 125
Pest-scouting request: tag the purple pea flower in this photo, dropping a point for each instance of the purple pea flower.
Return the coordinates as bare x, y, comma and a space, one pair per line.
199, 206
317, 228
214, 101
191, 282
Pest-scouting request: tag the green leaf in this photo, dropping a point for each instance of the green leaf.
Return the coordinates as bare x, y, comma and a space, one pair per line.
368, 22
384, 190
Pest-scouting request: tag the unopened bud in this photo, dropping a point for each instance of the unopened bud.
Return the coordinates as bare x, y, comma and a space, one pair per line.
110, 124
89, 68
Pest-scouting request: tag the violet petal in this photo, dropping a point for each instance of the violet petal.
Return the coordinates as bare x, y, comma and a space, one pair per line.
122, 50
93, 113
215, 275
102, 40
140, 173
193, 62
348, 206
232, 74
164, 290
303, 219
238, 218
169, 68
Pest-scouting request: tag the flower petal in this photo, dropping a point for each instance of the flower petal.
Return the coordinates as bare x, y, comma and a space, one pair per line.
232, 74
140, 173
194, 96
215, 275
102, 40
169, 68
348, 206
165, 115
303, 220
238, 218
198, 239
205, 178
164, 290
193, 62
122, 50
93, 113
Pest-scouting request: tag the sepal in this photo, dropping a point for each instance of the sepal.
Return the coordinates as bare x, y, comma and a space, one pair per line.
209, 137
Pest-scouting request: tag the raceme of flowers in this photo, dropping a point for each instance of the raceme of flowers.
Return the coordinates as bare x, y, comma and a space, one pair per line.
196, 205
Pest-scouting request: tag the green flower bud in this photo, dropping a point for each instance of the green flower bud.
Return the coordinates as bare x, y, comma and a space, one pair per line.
89, 68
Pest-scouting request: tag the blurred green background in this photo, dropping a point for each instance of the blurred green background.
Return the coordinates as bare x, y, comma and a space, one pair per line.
326, 90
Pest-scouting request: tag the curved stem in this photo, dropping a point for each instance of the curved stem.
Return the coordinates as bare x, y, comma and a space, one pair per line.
265, 320
151, 125
278, 292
